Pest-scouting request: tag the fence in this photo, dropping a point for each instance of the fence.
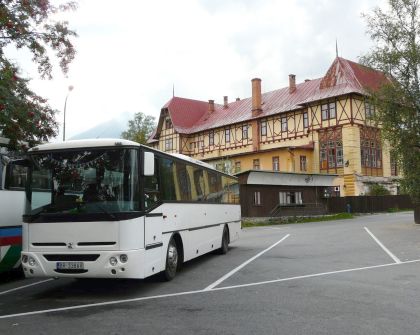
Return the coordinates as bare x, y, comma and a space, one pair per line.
368, 204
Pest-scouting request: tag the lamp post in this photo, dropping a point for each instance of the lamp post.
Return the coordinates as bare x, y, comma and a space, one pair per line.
65, 106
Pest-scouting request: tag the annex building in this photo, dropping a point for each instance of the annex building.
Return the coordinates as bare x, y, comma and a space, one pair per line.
310, 129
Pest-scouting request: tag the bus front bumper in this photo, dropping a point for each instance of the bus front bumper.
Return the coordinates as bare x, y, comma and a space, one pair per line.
103, 264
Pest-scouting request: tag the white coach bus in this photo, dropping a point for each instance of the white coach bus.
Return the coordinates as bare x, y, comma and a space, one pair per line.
117, 209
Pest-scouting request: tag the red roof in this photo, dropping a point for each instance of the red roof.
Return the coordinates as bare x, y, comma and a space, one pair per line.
343, 77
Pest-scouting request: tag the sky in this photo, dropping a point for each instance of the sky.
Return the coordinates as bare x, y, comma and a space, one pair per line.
132, 54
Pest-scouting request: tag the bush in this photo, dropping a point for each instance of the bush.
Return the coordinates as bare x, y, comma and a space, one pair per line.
378, 189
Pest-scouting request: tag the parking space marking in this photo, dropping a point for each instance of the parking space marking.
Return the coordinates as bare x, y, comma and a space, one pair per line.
25, 286
115, 302
314, 275
390, 254
229, 274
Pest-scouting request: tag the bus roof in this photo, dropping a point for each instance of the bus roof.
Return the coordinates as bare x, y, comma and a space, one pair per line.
75, 144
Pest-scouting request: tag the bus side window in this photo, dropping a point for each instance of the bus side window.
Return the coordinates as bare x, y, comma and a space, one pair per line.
16, 176
151, 188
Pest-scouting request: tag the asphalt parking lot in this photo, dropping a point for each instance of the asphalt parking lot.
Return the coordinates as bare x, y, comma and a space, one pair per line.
359, 276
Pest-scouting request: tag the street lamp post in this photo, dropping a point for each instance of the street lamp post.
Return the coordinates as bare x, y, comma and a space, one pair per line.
65, 106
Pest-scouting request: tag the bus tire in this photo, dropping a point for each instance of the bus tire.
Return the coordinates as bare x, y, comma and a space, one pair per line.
225, 242
172, 261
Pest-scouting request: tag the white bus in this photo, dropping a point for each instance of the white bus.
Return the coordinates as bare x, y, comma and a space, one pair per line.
12, 199
116, 209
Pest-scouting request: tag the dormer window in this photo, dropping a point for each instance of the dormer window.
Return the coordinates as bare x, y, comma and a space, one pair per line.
168, 123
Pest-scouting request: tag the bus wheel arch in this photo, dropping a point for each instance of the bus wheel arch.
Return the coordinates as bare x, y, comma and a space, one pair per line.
180, 247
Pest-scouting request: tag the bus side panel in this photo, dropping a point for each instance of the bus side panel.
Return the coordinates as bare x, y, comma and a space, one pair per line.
201, 241
12, 204
10, 247
11, 208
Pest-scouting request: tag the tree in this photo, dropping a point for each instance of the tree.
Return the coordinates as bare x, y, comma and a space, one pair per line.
397, 53
140, 128
378, 189
30, 24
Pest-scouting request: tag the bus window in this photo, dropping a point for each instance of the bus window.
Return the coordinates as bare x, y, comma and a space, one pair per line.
166, 173
151, 188
183, 182
16, 176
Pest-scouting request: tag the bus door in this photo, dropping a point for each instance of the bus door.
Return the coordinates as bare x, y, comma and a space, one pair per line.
153, 224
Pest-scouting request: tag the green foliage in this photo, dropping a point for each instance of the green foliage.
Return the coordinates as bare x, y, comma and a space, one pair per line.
139, 129
397, 53
378, 189
30, 24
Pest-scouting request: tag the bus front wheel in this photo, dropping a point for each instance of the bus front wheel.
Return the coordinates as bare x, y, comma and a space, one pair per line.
172, 260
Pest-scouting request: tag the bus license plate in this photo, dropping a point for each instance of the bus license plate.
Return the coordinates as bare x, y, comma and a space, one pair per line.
70, 266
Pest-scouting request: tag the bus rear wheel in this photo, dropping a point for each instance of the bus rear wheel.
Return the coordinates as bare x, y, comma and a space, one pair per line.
172, 261
225, 242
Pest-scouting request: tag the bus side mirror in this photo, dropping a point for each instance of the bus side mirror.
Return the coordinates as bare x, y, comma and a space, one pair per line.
148, 164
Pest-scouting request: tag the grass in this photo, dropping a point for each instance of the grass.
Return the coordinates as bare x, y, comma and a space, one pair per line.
295, 219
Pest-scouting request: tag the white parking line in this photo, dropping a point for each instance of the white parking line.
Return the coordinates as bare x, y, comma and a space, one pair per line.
390, 254
115, 302
25, 286
229, 274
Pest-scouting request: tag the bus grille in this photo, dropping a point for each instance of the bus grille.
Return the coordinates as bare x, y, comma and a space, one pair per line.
71, 257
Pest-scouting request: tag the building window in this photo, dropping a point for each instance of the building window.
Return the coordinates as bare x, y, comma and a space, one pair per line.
302, 163
263, 128
256, 164
290, 198
331, 150
211, 138
237, 167
284, 124
328, 111
305, 120
257, 198
227, 135
168, 123
245, 132
371, 153
168, 144
369, 110
276, 164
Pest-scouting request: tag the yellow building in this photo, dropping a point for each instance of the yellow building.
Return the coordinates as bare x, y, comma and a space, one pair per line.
317, 126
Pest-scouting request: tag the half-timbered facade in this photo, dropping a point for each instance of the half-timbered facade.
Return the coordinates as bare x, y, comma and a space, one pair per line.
318, 126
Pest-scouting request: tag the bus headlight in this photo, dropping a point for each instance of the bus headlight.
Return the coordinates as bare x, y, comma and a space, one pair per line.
31, 261
24, 259
113, 261
123, 258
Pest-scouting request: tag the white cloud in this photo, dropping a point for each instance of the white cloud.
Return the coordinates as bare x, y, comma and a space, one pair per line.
130, 53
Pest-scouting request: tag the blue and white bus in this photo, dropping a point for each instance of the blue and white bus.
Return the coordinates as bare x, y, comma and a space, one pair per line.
12, 198
116, 209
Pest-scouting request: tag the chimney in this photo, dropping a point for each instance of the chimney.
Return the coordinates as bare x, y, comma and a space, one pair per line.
292, 83
237, 99
256, 96
211, 106
225, 101
306, 80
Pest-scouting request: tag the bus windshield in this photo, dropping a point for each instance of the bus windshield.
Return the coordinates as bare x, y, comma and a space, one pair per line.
83, 181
